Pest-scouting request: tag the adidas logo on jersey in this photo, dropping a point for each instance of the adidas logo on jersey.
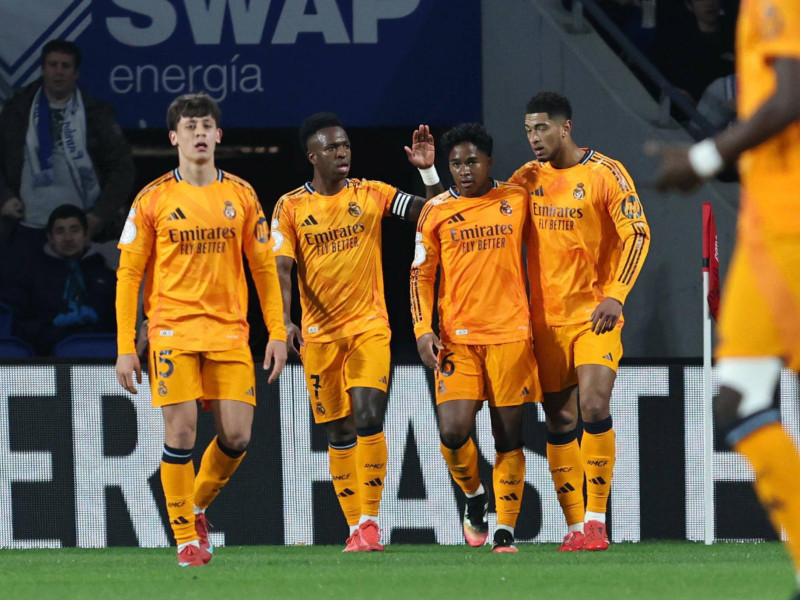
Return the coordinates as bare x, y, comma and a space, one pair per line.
538, 191
383, 379
250, 392
176, 215
608, 357
456, 218
525, 391
309, 221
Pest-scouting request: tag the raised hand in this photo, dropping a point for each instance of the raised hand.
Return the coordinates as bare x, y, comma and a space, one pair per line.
422, 152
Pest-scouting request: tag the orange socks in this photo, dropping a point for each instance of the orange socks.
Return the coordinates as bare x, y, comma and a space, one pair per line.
371, 455
177, 479
463, 465
509, 483
776, 463
598, 452
345, 480
566, 468
216, 468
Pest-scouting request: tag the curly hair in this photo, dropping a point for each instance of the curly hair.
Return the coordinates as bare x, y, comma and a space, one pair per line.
474, 133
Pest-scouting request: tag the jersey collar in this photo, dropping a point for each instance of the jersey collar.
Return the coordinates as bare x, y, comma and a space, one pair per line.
310, 188
178, 177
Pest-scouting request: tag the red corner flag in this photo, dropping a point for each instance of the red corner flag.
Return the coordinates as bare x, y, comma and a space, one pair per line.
711, 258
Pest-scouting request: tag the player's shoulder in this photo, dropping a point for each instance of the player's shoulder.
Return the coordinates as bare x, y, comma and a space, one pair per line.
236, 182
365, 185
509, 187
435, 205
527, 171
295, 195
156, 188
609, 169
602, 163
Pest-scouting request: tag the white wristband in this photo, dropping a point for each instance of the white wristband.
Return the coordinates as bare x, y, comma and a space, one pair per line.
706, 159
429, 175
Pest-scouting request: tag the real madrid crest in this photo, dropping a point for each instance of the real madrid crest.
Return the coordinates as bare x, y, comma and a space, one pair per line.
505, 207
229, 211
579, 192
354, 209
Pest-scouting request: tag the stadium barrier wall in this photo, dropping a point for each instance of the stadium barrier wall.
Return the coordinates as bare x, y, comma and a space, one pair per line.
79, 460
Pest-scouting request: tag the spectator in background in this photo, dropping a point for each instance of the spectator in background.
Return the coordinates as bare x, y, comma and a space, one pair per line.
693, 54
717, 105
718, 102
64, 288
60, 145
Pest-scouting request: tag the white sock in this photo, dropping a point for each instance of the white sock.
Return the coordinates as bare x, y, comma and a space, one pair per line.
508, 528
192, 543
595, 516
575, 527
365, 518
199, 511
477, 492
353, 529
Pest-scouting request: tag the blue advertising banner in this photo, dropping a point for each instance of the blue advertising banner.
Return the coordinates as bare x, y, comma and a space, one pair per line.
269, 63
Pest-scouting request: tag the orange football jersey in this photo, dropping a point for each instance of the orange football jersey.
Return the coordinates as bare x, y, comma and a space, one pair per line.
336, 242
770, 172
192, 239
477, 242
588, 240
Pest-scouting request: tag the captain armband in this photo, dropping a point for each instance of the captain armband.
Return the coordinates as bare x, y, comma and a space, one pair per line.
401, 204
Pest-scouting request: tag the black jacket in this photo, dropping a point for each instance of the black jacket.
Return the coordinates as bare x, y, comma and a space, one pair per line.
35, 290
107, 146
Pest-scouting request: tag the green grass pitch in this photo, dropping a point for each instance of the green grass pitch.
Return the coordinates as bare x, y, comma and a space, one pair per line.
407, 572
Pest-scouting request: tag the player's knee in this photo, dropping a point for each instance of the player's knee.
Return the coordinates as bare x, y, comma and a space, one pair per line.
368, 417
453, 435
181, 436
561, 421
340, 431
236, 441
594, 406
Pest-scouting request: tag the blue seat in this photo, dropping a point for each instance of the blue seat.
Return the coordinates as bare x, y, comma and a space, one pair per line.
6, 318
87, 345
11, 347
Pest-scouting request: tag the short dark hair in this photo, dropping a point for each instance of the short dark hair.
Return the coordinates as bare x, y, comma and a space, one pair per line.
314, 123
64, 46
552, 103
467, 132
192, 106
66, 211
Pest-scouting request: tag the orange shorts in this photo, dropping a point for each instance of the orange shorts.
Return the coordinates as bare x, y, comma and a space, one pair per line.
503, 374
332, 368
560, 349
181, 375
760, 312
